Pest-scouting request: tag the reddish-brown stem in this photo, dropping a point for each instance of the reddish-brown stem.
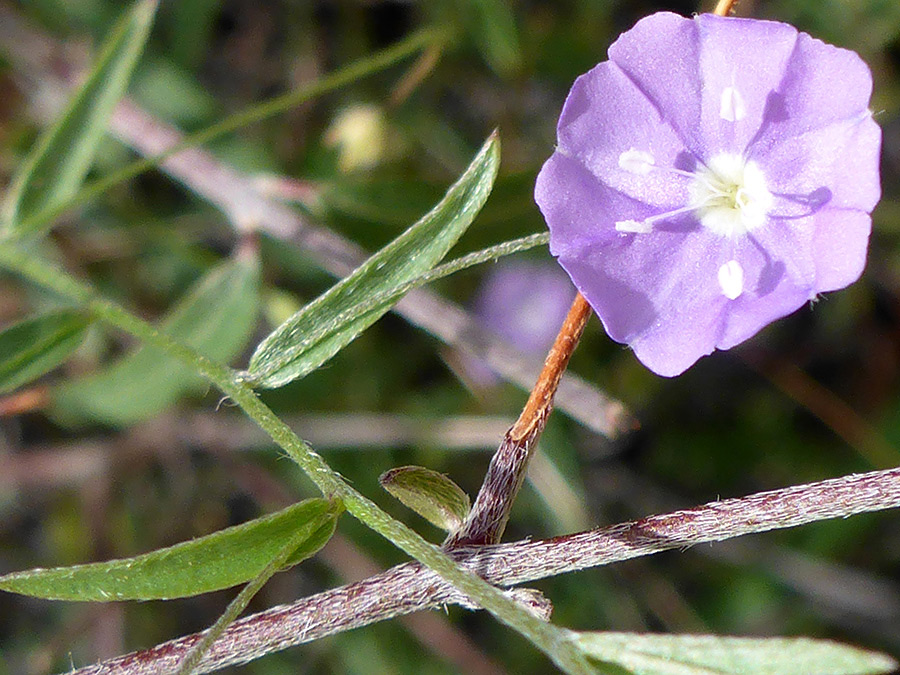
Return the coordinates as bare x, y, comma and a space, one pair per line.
410, 587
540, 401
724, 7
506, 473
24, 401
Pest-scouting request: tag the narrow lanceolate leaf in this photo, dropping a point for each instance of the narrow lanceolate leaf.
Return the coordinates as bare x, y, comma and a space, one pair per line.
32, 347
494, 27
216, 318
645, 654
430, 494
219, 560
61, 158
318, 331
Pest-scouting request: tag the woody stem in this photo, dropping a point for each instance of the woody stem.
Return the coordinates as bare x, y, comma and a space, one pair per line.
724, 7
506, 473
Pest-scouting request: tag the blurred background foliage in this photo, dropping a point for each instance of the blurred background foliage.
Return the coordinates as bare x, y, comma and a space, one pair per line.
814, 396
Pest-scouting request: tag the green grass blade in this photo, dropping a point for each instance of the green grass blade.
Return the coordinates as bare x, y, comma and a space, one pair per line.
219, 560
646, 654
216, 317
349, 74
32, 347
60, 160
318, 331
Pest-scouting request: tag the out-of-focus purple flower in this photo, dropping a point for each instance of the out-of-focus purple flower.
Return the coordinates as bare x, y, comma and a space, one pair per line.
525, 302
522, 301
714, 175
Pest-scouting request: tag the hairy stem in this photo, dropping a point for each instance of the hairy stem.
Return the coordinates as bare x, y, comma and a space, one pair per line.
506, 473
409, 587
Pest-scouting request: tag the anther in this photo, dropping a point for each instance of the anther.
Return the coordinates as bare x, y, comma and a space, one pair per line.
731, 279
636, 161
732, 107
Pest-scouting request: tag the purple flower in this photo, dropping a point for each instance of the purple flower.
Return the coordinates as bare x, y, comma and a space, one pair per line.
525, 302
714, 175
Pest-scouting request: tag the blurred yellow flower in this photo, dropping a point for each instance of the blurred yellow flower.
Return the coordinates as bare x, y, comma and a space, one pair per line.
359, 133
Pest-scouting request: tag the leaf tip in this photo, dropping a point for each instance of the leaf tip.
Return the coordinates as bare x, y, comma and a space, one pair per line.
493, 141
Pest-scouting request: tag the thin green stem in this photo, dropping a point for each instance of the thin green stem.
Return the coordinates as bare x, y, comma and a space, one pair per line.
550, 639
484, 255
391, 295
347, 75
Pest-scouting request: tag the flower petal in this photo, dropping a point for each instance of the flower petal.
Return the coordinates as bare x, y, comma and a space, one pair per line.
660, 54
579, 209
839, 247
834, 166
749, 314
823, 84
779, 278
606, 118
687, 333
787, 244
660, 284
735, 76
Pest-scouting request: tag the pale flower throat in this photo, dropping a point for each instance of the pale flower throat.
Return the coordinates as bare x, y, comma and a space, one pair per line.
728, 195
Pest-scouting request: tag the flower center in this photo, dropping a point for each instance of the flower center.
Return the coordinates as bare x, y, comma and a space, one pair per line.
729, 195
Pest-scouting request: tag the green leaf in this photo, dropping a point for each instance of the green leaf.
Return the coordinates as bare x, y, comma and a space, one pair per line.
494, 26
327, 324
216, 317
219, 560
32, 347
240, 602
60, 160
430, 494
706, 654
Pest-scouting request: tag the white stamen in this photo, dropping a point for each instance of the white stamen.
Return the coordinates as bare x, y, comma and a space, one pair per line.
645, 225
635, 226
732, 107
731, 279
636, 161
